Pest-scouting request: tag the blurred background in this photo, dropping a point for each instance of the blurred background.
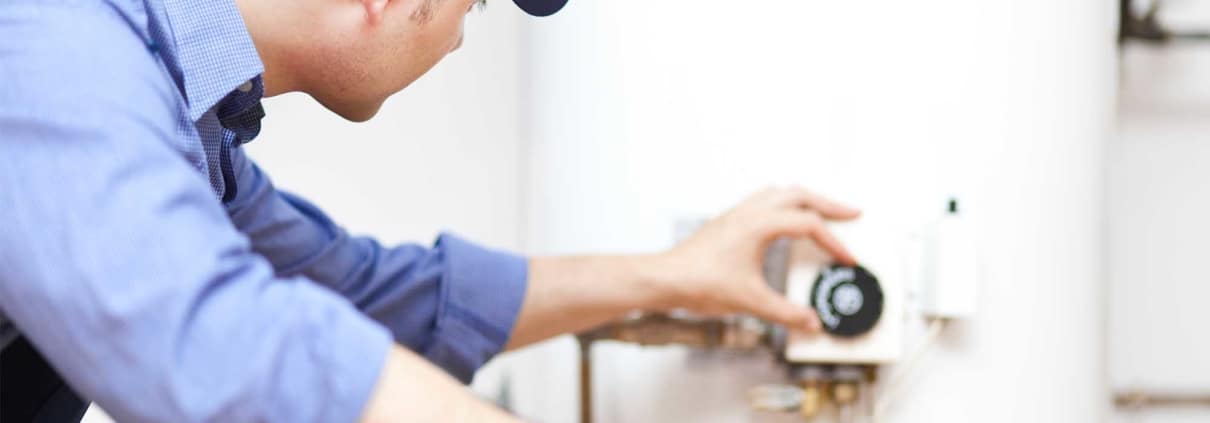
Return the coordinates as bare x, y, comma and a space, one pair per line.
1074, 132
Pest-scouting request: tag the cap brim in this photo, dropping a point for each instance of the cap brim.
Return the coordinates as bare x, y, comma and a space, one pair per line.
540, 7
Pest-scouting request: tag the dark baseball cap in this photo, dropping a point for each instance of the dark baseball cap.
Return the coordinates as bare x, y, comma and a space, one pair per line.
540, 7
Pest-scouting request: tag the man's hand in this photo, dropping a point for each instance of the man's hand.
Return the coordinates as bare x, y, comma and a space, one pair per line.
718, 269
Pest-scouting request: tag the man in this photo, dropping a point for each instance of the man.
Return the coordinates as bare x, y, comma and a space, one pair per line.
158, 271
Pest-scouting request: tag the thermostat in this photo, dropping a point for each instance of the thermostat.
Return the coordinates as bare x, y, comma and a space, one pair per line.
847, 299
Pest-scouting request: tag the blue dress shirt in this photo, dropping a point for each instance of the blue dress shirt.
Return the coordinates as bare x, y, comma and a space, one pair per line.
155, 265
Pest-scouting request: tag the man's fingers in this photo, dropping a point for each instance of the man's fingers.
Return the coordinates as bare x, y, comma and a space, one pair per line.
824, 238
809, 224
802, 198
771, 306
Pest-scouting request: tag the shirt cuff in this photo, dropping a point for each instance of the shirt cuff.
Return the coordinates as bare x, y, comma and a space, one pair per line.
480, 298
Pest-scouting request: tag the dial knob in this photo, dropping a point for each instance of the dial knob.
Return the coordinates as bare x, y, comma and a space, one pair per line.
848, 300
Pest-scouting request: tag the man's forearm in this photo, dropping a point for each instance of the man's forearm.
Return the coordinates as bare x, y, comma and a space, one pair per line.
572, 294
411, 389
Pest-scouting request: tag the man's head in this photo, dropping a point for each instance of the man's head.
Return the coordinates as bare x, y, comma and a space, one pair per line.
351, 55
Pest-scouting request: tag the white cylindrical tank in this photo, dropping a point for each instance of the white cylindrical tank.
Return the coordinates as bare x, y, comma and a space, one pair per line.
644, 114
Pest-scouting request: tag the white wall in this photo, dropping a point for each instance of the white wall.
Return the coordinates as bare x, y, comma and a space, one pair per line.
647, 112
1158, 200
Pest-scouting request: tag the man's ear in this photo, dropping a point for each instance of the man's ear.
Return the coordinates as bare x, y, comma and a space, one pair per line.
374, 10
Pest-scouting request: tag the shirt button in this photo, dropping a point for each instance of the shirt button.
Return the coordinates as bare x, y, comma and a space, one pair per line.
245, 87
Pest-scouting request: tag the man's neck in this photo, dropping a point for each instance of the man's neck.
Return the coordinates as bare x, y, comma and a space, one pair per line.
266, 37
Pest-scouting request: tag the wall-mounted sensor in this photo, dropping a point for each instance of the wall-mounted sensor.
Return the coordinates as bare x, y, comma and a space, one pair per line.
847, 299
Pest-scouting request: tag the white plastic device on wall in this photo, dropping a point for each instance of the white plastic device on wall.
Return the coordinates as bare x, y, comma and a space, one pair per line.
951, 263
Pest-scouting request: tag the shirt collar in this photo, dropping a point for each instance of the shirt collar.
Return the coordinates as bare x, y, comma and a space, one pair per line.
213, 50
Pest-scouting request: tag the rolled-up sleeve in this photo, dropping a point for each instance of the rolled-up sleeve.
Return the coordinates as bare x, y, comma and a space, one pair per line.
481, 296
119, 264
455, 302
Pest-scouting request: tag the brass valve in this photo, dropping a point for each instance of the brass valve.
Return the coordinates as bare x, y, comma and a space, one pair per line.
812, 400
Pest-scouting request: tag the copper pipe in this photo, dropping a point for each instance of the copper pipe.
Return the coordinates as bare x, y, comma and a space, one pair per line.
1150, 399
585, 380
662, 329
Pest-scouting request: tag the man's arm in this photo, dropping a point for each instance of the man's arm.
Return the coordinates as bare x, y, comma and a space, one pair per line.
716, 271
119, 265
412, 389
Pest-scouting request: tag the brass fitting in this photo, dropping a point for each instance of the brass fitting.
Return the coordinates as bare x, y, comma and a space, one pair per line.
812, 400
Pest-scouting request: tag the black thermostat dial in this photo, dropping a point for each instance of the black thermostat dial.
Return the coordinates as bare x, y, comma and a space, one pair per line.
848, 300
